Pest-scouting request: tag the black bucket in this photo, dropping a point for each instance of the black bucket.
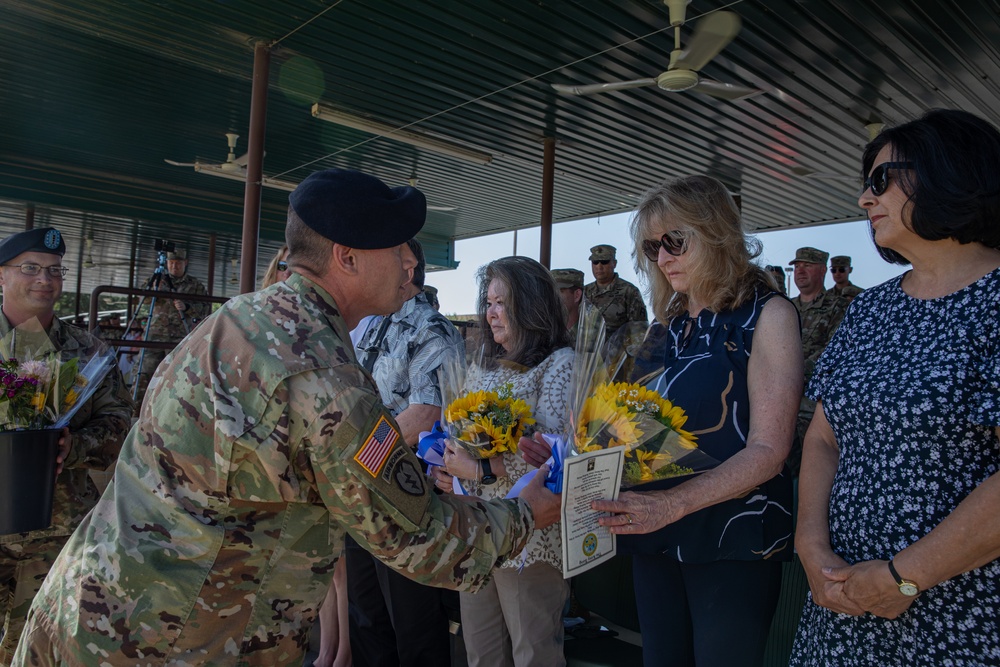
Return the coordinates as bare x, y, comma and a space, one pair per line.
27, 479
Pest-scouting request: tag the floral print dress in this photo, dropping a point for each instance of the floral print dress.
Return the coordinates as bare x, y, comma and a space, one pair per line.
911, 388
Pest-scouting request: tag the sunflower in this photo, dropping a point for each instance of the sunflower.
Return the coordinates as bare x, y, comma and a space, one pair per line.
488, 422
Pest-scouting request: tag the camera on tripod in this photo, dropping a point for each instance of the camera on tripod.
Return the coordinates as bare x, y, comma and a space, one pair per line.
163, 246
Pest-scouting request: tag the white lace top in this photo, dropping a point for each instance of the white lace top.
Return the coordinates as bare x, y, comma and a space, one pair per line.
546, 389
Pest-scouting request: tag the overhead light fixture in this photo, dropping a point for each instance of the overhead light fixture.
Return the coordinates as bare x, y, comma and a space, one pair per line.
218, 170
419, 140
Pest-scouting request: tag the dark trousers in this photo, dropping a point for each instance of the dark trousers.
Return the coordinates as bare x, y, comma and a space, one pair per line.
395, 622
704, 614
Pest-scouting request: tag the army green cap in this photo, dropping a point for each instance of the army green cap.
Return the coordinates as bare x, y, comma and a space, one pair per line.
810, 256
567, 278
602, 252
431, 290
177, 254
840, 260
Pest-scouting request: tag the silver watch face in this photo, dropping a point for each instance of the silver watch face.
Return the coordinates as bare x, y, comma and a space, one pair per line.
906, 588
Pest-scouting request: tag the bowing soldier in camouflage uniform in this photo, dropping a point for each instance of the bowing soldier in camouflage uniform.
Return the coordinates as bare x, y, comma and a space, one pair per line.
619, 301
840, 269
32, 281
172, 318
261, 442
395, 620
820, 313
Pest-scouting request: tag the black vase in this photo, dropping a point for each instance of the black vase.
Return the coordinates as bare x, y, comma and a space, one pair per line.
27, 479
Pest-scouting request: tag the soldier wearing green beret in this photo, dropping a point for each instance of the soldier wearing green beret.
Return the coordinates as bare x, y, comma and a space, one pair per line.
840, 269
618, 301
820, 313
31, 275
261, 442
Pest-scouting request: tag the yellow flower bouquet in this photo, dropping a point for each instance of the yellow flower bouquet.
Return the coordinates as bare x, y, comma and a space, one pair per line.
487, 423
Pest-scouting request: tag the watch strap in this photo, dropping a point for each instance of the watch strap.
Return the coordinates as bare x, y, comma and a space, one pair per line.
488, 476
903, 583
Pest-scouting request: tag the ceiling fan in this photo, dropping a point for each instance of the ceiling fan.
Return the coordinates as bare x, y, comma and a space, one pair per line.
234, 168
712, 34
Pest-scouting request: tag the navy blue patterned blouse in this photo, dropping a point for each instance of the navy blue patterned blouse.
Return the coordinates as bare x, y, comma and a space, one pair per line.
911, 388
703, 369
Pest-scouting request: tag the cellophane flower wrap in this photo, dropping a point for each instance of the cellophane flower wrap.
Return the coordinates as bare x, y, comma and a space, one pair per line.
38, 388
608, 413
484, 423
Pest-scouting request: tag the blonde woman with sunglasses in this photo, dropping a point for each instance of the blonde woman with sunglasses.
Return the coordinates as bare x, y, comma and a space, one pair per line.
725, 348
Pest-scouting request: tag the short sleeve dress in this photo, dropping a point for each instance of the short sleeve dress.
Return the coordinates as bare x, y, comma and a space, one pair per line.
911, 388
703, 369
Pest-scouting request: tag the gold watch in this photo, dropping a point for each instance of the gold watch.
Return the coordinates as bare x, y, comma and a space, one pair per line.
906, 587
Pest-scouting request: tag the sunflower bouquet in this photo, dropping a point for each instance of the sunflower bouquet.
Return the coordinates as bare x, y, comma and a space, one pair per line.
487, 423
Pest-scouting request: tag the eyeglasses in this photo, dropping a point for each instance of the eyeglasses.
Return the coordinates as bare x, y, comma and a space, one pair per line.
838, 269
602, 262
675, 243
30, 269
878, 181
282, 265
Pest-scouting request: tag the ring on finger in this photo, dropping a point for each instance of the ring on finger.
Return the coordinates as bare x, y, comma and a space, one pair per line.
629, 518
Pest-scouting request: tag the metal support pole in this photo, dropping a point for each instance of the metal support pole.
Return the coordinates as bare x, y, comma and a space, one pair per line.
255, 167
548, 184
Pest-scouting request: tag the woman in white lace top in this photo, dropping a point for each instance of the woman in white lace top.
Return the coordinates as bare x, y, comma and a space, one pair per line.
517, 619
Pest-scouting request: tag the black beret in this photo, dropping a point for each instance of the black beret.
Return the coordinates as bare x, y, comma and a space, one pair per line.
43, 239
358, 210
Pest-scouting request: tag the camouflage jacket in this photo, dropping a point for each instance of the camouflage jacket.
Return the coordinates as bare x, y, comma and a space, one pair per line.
619, 302
820, 319
850, 290
260, 443
167, 323
416, 341
98, 429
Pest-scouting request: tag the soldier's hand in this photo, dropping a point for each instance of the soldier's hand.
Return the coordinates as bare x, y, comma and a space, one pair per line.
535, 451
65, 443
545, 505
180, 306
442, 480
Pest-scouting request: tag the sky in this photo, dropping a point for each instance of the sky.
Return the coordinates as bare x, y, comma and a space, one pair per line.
571, 242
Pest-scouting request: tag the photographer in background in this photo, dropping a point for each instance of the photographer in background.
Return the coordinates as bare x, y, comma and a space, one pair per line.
171, 320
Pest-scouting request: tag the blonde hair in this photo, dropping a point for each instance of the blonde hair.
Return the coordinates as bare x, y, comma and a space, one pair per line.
271, 276
722, 275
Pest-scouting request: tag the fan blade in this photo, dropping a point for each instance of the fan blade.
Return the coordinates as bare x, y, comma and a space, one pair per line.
711, 35
441, 208
179, 164
726, 91
592, 88
232, 167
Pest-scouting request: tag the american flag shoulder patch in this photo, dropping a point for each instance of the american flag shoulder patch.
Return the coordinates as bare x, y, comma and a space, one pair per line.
377, 446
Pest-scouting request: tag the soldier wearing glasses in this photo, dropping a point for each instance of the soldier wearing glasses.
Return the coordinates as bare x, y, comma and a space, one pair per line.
31, 276
840, 269
618, 300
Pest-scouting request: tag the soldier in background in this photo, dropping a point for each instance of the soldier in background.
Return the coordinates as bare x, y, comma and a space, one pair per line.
432, 297
618, 301
260, 443
570, 284
172, 319
840, 269
779, 277
820, 312
32, 280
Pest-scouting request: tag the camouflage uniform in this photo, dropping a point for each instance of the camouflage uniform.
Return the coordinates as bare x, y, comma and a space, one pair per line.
260, 443
98, 430
820, 319
848, 291
619, 302
168, 325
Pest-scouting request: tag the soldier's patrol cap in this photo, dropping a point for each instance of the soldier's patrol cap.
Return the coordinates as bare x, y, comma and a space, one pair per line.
810, 256
602, 252
177, 254
433, 291
358, 210
43, 239
567, 278
840, 260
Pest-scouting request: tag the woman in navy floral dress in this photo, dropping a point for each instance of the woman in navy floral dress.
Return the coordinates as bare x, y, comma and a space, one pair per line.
726, 348
898, 525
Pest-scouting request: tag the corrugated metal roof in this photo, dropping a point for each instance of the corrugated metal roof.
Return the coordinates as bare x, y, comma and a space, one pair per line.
97, 93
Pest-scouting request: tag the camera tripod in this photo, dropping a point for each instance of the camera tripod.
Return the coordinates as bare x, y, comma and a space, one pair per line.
159, 281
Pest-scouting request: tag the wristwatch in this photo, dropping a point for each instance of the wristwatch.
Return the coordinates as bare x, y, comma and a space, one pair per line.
906, 587
488, 476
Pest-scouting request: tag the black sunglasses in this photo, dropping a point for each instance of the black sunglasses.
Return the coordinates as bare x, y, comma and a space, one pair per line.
282, 265
878, 181
675, 243
838, 269
602, 262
